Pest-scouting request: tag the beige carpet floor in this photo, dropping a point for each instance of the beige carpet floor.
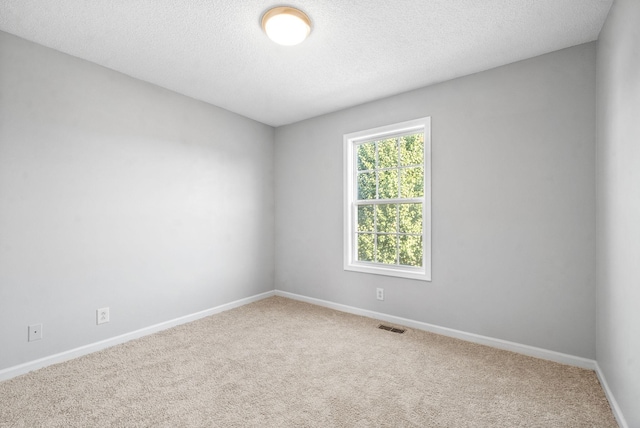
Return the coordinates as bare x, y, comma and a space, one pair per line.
282, 363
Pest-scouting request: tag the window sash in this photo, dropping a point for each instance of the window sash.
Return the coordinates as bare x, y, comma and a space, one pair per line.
358, 202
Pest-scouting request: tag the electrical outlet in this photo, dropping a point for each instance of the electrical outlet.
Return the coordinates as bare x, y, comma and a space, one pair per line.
380, 293
102, 315
35, 332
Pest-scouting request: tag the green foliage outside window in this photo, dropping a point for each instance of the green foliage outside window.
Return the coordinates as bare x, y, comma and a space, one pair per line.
390, 169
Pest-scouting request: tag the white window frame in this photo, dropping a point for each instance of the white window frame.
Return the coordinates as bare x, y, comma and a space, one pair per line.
350, 142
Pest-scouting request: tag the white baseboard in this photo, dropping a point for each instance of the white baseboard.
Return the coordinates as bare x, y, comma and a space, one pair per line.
615, 408
18, 370
531, 351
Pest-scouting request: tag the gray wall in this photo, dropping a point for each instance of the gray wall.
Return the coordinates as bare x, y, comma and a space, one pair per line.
114, 192
513, 204
618, 213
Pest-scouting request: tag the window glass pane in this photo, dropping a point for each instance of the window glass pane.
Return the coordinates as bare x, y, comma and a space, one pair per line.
412, 149
412, 182
387, 249
388, 153
365, 218
366, 156
411, 250
365, 247
388, 184
411, 218
366, 185
387, 218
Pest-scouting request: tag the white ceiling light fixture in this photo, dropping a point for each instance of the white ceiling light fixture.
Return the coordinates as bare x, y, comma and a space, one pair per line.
286, 25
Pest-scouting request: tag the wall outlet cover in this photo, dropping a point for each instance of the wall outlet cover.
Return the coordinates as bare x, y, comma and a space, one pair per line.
35, 332
102, 315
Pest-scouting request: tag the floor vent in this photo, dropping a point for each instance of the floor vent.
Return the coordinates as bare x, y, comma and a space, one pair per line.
391, 329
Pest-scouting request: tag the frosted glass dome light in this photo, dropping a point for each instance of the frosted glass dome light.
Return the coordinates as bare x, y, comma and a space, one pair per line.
286, 26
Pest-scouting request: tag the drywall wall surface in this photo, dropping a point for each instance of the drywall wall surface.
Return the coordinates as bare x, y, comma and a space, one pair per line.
618, 206
513, 175
116, 193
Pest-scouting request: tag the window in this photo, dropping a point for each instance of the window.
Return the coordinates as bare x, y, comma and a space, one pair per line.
387, 207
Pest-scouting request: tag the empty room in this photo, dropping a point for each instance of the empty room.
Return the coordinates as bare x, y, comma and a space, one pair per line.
421, 213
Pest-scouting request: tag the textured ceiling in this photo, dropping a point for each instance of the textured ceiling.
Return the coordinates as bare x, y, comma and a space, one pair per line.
358, 51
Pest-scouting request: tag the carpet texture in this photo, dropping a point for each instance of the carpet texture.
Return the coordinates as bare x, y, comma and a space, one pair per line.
283, 363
